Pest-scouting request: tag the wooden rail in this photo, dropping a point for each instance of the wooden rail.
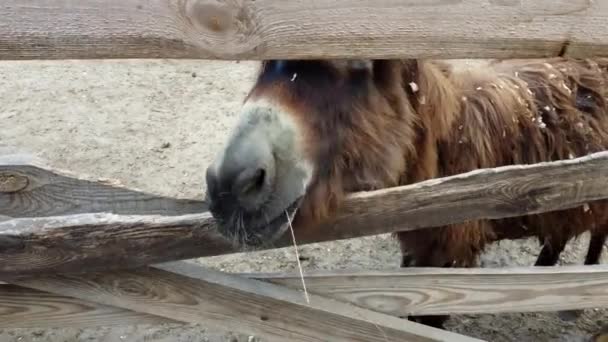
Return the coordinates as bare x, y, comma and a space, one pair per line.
399, 292
26, 308
433, 291
268, 29
103, 241
50, 222
230, 302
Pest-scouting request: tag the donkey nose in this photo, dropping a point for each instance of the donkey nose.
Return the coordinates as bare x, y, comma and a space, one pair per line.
248, 185
243, 179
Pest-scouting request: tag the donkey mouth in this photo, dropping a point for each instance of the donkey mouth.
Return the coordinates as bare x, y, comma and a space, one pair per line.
260, 231
276, 228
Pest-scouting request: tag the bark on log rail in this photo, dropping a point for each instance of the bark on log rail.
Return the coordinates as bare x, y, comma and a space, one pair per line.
273, 29
29, 191
102, 241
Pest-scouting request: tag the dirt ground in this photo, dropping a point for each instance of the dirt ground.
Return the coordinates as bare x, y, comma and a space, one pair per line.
112, 119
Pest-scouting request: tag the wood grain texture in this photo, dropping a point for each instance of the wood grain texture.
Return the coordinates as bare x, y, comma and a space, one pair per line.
496, 193
269, 29
224, 301
461, 291
398, 292
94, 242
26, 308
30, 191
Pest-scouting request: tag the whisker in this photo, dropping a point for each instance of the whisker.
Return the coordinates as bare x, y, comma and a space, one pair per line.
295, 246
242, 231
232, 234
266, 218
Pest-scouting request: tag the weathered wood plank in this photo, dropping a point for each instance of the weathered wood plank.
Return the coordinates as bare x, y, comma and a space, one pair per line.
268, 29
415, 291
399, 292
26, 308
107, 241
482, 194
30, 191
224, 301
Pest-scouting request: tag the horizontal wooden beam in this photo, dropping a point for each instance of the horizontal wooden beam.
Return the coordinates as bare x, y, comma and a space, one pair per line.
101, 241
414, 291
226, 301
399, 292
431, 291
30, 191
270, 29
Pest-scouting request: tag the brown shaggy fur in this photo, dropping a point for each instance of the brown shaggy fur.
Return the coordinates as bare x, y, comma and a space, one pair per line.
404, 121
518, 112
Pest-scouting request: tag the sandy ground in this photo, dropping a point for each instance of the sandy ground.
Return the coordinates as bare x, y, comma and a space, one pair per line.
110, 119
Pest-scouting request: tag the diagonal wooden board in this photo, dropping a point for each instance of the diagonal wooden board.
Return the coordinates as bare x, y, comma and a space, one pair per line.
226, 301
21, 307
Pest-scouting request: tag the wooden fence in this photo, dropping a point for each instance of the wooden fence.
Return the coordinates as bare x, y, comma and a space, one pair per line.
54, 225
266, 29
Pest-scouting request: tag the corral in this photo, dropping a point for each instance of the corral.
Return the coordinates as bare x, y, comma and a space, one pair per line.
30, 261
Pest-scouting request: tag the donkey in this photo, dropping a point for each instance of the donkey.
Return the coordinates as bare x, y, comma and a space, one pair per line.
313, 131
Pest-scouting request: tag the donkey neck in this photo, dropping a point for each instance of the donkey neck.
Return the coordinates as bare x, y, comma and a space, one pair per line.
435, 102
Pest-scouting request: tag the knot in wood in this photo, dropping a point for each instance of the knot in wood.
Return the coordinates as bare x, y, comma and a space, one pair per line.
227, 25
213, 17
12, 182
132, 287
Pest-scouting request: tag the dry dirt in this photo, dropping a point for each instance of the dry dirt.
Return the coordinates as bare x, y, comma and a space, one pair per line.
110, 119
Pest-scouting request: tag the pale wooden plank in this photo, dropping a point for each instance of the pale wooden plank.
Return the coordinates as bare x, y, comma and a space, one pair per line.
414, 291
224, 301
268, 29
107, 241
431, 291
26, 308
398, 292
